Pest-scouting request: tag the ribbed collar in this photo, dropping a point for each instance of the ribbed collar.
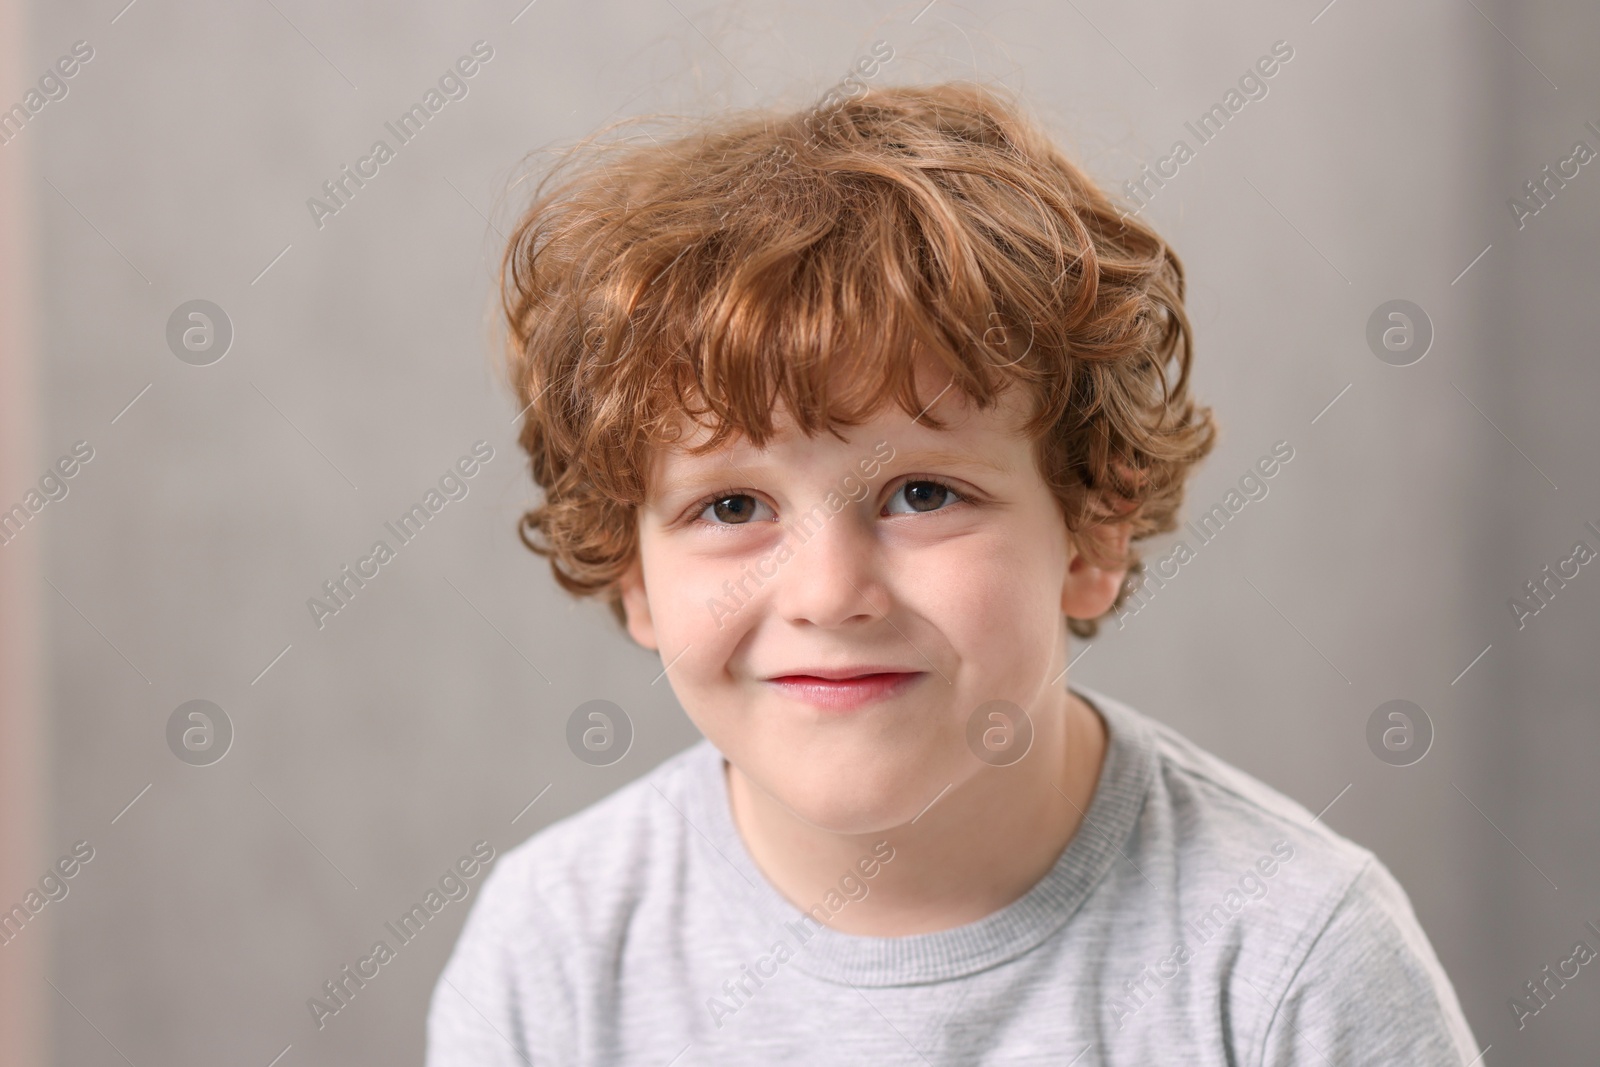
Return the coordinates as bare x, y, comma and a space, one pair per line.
756, 905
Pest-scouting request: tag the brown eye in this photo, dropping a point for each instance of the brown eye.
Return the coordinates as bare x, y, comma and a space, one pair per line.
923, 495
734, 509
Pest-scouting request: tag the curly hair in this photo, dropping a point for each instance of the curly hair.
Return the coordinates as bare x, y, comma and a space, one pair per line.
743, 260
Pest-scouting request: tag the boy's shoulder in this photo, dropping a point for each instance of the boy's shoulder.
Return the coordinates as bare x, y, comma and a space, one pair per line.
1222, 809
1263, 891
1228, 850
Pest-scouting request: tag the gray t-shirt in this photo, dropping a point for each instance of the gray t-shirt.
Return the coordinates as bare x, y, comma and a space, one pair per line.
1197, 917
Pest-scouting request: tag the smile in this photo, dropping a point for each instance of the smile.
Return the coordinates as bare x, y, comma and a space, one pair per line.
845, 694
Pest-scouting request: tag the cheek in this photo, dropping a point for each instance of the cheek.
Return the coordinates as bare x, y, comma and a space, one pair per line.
959, 588
698, 625
996, 597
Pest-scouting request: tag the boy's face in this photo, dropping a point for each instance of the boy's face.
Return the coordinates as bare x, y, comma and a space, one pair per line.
820, 555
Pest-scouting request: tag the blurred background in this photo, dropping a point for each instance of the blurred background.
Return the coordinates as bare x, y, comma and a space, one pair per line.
229, 457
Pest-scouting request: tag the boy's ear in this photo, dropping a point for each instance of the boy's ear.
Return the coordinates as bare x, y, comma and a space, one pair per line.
1089, 591
637, 605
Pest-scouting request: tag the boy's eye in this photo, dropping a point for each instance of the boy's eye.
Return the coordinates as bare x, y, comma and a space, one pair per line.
922, 495
732, 508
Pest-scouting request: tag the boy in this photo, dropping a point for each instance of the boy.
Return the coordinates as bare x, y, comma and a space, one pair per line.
852, 416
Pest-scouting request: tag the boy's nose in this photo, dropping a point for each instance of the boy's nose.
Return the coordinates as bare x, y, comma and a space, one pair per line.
833, 577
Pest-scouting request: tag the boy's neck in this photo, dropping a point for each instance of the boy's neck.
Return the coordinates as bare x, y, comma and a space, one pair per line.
985, 844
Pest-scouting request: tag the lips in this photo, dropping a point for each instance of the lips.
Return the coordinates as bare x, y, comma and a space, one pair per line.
836, 674
847, 689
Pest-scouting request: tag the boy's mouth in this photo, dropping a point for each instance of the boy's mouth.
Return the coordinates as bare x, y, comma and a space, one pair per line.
846, 689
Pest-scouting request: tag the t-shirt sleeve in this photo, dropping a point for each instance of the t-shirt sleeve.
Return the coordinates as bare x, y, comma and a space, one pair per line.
485, 1010
1370, 990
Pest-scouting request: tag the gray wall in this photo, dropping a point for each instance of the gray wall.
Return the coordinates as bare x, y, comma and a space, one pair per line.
429, 712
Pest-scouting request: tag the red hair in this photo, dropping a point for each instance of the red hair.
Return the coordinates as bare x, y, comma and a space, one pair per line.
749, 259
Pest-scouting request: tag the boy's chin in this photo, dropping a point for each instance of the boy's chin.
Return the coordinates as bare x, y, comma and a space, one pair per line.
862, 803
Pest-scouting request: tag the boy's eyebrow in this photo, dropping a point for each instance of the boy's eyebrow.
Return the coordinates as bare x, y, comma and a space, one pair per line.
942, 457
